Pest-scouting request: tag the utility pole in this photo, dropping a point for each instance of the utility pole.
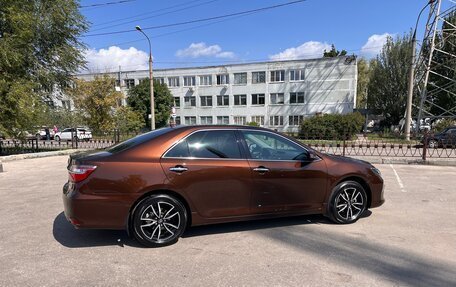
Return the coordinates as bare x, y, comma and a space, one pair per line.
408, 114
411, 81
151, 83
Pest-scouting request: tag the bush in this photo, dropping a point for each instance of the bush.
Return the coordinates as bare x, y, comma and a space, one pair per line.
252, 124
441, 125
332, 126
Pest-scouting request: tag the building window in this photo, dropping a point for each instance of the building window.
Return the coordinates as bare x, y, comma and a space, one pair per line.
297, 98
257, 99
205, 80
240, 100
223, 100
276, 121
238, 120
297, 75
295, 120
177, 102
189, 81
173, 81
190, 101
258, 77
223, 120
129, 83
190, 120
258, 119
277, 99
207, 120
159, 80
240, 78
223, 79
178, 120
278, 76
66, 104
206, 101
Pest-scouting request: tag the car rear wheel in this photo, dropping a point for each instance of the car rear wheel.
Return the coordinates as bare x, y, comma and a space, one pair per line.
159, 220
347, 203
57, 138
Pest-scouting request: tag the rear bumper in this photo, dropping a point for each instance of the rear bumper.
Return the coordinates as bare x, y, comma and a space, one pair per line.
105, 211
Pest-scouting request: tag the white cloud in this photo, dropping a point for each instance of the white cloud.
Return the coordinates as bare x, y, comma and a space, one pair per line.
310, 49
196, 50
110, 59
374, 44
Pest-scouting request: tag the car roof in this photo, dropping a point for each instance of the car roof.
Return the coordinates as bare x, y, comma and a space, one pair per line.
218, 127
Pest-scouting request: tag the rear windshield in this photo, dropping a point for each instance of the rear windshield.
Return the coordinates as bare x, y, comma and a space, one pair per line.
137, 140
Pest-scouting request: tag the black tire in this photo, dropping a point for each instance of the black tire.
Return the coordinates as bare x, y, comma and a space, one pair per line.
433, 144
57, 138
347, 203
168, 220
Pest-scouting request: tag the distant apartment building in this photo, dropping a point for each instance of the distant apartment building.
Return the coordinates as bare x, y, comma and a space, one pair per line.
277, 95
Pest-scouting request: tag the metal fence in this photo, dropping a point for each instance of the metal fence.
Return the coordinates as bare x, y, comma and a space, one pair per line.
359, 145
384, 146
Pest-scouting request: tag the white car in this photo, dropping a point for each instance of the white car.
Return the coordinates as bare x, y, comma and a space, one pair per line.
78, 133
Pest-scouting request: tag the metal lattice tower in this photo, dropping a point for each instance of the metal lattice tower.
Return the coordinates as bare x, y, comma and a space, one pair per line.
427, 67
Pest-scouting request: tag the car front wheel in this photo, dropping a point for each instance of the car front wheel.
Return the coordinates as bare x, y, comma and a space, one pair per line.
347, 203
159, 220
57, 138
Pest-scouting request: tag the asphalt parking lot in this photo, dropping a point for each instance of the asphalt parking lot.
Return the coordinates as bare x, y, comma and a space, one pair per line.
410, 240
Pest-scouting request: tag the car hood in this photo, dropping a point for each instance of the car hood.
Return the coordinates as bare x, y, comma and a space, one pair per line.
348, 159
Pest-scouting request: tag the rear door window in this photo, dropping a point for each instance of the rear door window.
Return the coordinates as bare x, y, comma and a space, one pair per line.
208, 144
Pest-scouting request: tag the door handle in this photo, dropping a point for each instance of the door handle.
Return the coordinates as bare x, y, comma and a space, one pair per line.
178, 169
261, 169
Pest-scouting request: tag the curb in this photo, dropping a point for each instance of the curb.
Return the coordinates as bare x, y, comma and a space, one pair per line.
39, 155
415, 161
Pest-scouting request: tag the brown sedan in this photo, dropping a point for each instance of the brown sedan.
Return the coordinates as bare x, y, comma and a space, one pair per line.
158, 183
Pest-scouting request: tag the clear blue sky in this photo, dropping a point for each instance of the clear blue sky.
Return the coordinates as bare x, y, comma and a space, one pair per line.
347, 24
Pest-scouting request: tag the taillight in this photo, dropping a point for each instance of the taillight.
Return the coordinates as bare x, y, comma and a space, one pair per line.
80, 172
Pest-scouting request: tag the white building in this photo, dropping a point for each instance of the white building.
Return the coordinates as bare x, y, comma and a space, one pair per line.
276, 94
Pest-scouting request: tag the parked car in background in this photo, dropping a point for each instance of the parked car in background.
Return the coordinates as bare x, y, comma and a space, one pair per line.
158, 183
446, 138
74, 133
41, 133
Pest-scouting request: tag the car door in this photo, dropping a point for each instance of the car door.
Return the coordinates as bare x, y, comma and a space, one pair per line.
450, 138
66, 134
286, 177
209, 168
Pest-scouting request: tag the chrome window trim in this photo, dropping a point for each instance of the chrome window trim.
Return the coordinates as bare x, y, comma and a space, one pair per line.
248, 159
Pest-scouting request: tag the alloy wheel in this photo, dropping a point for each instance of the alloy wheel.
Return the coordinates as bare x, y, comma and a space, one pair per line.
349, 203
160, 221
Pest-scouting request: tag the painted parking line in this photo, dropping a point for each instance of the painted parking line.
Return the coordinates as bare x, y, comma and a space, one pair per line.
399, 181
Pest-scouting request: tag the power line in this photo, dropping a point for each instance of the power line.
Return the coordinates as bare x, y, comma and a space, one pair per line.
106, 3
200, 20
156, 15
147, 13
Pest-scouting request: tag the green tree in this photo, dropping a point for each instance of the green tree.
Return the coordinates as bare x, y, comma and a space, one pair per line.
127, 120
364, 74
139, 100
333, 52
39, 50
96, 100
388, 82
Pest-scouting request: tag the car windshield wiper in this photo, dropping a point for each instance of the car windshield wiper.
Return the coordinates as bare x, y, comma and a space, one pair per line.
216, 152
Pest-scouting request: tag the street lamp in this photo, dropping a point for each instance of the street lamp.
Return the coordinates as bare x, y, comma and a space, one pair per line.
151, 83
408, 113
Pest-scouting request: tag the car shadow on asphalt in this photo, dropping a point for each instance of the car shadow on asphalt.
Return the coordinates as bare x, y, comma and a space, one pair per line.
71, 237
